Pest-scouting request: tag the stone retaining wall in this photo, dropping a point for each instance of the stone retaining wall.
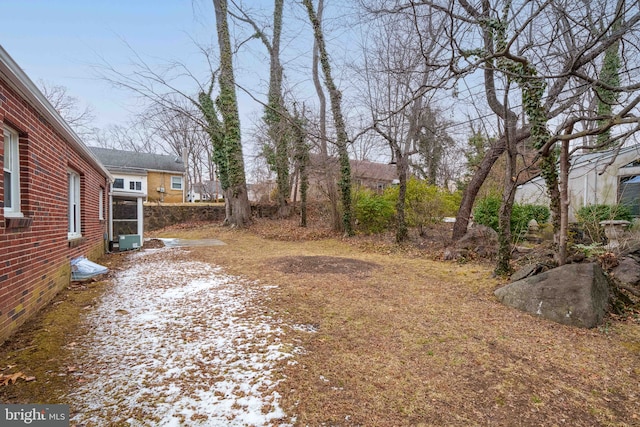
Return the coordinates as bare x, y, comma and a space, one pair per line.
157, 216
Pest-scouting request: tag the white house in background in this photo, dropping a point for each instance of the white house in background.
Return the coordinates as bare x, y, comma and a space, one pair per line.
139, 177
207, 191
605, 177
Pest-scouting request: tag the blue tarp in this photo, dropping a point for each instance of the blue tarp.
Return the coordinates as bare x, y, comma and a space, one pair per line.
83, 269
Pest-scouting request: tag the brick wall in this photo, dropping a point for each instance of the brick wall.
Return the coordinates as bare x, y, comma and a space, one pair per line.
157, 180
34, 259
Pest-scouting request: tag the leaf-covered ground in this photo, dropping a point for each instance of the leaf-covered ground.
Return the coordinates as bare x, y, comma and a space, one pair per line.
353, 332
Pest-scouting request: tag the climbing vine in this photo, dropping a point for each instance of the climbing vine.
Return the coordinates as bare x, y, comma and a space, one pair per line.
524, 74
216, 136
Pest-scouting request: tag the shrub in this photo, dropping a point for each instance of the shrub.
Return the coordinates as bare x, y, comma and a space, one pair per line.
425, 204
589, 218
487, 209
373, 212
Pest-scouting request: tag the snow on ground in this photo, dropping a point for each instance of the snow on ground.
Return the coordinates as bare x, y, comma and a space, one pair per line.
177, 342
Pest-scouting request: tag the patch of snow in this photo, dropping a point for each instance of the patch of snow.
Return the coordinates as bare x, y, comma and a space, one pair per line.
305, 328
192, 348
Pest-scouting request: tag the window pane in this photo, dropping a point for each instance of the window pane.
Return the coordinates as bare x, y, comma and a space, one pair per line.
176, 183
118, 183
7, 189
11, 173
74, 204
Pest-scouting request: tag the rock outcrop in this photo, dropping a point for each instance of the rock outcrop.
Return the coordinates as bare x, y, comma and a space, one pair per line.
573, 294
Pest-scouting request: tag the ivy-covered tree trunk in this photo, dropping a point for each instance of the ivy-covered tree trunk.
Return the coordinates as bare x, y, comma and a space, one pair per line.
341, 133
609, 75
325, 160
238, 200
216, 136
276, 115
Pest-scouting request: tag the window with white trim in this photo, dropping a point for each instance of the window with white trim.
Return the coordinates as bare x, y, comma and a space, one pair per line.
11, 174
74, 205
135, 185
101, 205
176, 183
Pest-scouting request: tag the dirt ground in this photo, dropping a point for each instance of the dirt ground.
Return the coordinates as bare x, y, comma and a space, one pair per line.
378, 335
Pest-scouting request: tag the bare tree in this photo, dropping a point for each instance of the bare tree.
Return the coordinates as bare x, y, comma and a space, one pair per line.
178, 134
539, 62
398, 90
69, 107
276, 116
335, 97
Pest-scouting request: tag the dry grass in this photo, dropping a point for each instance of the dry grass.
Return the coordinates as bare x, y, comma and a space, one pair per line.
421, 342
413, 341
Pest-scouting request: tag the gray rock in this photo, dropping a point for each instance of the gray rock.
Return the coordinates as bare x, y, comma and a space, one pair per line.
627, 271
574, 294
526, 271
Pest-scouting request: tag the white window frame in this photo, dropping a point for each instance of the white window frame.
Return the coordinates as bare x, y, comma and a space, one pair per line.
101, 205
11, 166
176, 187
74, 209
135, 185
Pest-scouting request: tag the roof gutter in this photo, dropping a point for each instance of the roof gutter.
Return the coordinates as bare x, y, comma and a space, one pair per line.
22, 84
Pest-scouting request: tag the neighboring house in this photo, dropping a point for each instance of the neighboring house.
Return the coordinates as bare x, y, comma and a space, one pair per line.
209, 191
372, 175
364, 174
605, 177
53, 194
139, 177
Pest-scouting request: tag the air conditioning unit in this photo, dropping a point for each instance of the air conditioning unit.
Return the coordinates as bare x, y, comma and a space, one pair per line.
160, 189
128, 242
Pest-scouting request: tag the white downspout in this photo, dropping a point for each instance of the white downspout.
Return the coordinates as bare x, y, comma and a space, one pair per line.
110, 226
140, 220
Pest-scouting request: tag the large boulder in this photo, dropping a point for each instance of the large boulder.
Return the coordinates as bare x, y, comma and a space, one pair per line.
574, 294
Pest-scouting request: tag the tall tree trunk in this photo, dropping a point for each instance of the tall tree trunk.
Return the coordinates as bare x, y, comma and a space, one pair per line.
564, 203
503, 264
302, 160
335, 97
326, 163
402, 166
238, 200
276, 116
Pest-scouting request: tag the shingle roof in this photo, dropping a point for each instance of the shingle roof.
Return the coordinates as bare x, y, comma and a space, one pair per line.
129, 160
360, 169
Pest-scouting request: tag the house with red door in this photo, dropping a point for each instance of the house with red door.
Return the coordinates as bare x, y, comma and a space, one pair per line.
53, 194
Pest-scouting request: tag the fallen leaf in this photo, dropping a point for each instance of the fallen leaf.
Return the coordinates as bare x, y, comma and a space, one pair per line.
10, 379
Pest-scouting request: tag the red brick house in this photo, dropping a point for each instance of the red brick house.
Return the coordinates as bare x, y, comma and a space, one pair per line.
53, 194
